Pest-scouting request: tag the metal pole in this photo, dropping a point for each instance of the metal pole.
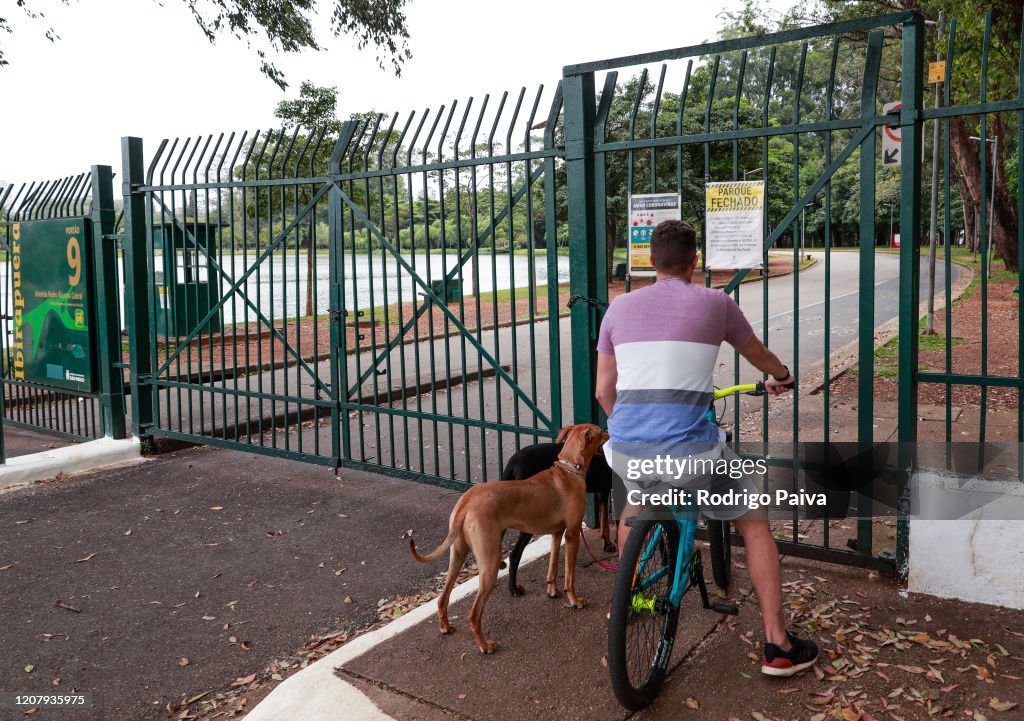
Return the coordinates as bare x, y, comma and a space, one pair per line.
991, 202
929, 324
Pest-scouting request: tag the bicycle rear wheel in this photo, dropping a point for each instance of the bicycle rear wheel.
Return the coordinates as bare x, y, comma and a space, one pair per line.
642, 627
721, 553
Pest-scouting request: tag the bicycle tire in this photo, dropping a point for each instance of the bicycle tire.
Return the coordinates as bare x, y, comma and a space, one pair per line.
629, 623
721, 552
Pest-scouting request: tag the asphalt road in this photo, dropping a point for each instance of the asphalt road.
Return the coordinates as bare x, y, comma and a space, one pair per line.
177, 576
806, 293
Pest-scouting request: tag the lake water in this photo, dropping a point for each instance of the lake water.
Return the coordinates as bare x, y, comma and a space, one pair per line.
278, 285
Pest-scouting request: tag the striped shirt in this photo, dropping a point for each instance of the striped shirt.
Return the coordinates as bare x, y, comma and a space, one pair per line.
665, 339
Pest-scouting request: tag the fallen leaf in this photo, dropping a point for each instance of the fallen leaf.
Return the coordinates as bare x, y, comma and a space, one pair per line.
245, 680
998, 705
209, 618
216, 508
462, 696
56, 681
11, 565
61, 604
852, 713
30, 668
691, 702
910, 669
128, 532
183, 662
758, 716
604, 661
83, 560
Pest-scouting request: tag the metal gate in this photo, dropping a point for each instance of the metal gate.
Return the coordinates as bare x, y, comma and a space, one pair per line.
339, 299
392, 298
712, 113
225, 314
446, 263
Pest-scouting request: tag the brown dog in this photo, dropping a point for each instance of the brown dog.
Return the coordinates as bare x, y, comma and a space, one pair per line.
553, 501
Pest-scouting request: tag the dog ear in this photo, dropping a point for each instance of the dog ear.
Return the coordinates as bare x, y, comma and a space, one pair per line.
588, 435
562, 434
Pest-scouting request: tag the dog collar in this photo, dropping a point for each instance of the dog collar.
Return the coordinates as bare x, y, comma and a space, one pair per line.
576, 469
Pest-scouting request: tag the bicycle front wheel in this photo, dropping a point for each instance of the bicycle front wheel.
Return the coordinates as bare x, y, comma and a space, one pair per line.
642, 626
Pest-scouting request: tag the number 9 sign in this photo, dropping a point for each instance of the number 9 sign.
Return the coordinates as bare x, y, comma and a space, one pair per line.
74, 261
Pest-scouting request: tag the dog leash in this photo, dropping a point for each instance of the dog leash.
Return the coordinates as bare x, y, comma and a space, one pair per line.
606, 565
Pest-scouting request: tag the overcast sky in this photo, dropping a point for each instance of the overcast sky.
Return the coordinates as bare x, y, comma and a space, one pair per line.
132, 67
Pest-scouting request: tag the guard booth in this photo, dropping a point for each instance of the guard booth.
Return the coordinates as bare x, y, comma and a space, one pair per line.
182, 277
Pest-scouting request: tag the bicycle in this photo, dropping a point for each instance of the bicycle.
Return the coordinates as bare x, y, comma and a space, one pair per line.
658, 566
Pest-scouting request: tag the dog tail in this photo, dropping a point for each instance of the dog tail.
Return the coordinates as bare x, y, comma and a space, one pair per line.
456, 529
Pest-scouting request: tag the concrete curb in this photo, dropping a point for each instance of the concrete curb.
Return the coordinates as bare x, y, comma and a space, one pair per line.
90, 456
317, 692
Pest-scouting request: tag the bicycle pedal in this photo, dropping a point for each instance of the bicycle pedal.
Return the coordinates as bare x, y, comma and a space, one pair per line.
725, 608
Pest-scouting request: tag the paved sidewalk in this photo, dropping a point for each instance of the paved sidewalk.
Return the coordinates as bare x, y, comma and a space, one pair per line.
886, 654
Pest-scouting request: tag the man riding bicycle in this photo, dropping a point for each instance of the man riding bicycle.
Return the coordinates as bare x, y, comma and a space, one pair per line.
655, 375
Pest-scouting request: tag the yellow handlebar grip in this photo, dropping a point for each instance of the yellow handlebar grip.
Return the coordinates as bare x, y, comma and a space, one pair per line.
732, 390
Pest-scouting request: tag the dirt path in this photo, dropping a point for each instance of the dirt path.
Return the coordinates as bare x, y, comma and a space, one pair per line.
996, 323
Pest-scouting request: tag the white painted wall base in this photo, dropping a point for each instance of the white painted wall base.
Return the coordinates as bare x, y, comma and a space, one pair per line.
979, 558
78, 458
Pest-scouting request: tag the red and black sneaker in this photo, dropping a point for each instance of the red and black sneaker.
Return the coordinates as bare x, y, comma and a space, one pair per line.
781, 663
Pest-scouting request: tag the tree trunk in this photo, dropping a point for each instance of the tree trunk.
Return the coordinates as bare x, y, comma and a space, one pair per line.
1004, 221
968, 213
612, 236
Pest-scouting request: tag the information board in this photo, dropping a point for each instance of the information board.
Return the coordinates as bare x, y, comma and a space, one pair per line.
735, 224
645, 212
49, 267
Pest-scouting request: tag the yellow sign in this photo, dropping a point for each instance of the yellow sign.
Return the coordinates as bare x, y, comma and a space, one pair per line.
937, 72
735, 224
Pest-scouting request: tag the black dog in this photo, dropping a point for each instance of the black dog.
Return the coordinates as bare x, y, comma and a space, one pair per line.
532, 460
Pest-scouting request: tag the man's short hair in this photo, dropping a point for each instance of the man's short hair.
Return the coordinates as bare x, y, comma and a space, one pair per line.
673, 246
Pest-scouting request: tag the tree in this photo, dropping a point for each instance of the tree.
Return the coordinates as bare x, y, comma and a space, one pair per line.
315, 110
1004, 54
286, 25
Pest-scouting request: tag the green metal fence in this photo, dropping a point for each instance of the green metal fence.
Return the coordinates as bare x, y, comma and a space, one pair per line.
725, 110
449, 282
38, 405
339, 299
981, 128
391, 295
220, 244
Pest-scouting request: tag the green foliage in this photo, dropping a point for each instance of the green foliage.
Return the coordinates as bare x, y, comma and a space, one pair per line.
287, 26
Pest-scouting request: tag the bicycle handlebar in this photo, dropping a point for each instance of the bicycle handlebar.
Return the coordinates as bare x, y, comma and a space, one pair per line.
750, 389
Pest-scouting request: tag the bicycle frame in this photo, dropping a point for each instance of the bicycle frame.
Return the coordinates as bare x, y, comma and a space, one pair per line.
686, 518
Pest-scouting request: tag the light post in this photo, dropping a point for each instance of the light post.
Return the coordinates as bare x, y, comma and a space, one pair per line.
751, 172
992, 197
892, 206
